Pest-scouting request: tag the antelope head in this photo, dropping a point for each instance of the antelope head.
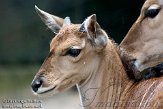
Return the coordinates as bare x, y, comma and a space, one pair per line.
144, 41
74, 53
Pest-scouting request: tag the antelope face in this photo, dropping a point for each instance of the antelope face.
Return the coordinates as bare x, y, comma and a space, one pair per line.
144, 41
74, 53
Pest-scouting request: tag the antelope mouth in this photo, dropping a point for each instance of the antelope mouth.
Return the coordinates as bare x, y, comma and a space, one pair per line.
155, 71
136, 71
43, 90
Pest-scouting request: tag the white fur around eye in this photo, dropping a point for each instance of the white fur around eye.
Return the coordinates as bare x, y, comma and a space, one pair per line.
154, 6
79, 47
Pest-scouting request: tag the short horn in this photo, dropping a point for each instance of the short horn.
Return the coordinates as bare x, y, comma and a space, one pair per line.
67, 21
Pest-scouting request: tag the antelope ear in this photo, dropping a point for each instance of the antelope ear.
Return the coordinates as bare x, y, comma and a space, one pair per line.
54, 23
94, 31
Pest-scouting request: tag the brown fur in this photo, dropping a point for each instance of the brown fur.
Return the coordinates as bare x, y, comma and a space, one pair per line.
144, 41
99, 74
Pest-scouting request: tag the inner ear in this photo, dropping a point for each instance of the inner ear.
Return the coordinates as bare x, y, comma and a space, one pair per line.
89, 25
92, 27
101, 37
94, 31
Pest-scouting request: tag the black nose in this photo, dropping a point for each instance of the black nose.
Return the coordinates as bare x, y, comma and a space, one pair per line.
36, 84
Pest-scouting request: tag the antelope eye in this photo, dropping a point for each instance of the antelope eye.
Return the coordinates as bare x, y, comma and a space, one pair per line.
73, 52
152, 11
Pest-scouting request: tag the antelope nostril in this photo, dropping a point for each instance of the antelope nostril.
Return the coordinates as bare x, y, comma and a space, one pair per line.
36, 84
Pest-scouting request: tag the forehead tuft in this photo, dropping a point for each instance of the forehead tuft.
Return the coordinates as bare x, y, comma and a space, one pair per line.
67, 31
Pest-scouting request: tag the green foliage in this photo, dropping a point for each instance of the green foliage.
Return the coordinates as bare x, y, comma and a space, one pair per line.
14, 78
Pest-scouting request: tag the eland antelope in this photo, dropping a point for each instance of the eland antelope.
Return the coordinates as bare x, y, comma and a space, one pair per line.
83, 55
142, 48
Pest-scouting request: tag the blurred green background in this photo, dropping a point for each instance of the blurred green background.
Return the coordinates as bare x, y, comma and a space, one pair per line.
24, 39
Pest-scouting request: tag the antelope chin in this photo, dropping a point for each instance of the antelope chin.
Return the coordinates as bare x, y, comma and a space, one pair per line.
44, 90
155, 71
143, 72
